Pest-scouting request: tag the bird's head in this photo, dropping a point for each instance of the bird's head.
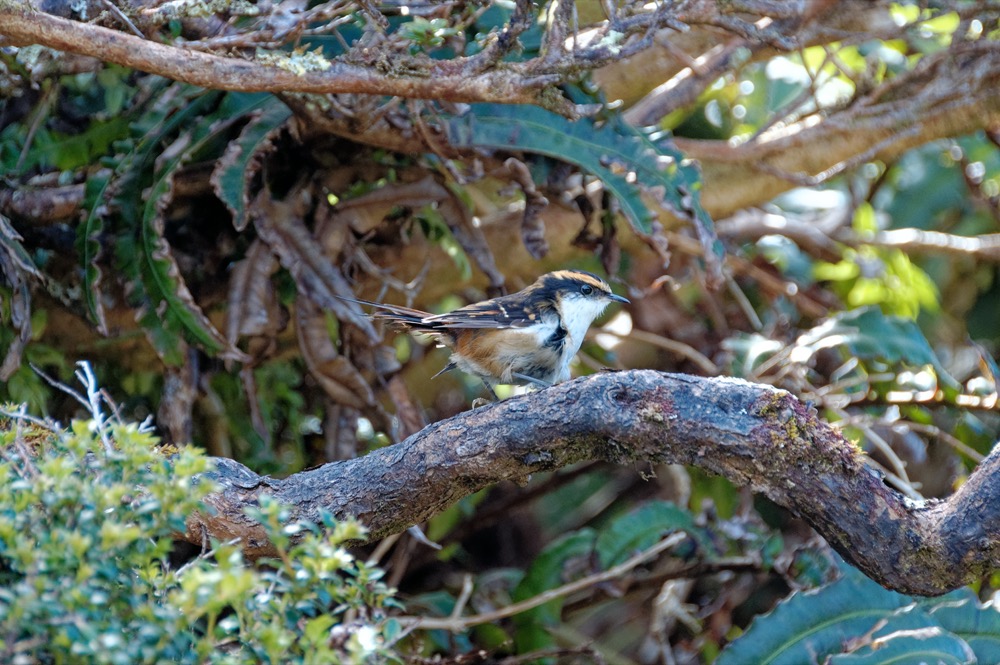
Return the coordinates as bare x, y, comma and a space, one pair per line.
577, 295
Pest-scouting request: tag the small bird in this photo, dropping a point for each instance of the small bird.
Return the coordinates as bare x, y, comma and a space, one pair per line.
525, 337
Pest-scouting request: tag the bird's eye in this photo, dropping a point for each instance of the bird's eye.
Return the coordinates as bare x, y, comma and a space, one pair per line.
586, 289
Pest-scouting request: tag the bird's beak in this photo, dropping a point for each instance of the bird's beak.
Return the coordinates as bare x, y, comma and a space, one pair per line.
618, 298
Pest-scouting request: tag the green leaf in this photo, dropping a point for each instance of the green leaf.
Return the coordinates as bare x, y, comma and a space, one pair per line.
909, 636
855, 621
625, 159
232, 175
642, 528
548, 571
865, 221
807, 627
175, 108
870, 335
162, 274
67, 152
89, 247
978, 625
169, 312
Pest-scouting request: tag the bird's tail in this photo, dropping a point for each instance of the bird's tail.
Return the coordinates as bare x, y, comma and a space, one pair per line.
406, 316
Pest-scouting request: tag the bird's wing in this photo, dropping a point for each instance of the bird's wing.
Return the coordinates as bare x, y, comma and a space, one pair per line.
503, 312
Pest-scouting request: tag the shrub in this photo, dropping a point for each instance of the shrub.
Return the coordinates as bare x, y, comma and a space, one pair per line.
88, 519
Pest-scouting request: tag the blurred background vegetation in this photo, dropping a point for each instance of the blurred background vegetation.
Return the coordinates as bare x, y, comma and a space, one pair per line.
190, 243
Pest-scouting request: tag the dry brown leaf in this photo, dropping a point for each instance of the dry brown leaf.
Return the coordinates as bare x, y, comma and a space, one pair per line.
364, 213
411, 419
253, 304
532, 224
20, 317
16, 266
339, 379
280, 225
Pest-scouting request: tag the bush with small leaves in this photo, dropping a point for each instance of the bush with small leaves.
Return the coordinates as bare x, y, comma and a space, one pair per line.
88, 517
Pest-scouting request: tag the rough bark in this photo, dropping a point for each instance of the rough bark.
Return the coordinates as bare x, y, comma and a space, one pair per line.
953, 92
754, 435
21, 26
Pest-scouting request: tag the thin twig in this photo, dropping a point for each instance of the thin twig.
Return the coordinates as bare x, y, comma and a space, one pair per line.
463, 597
124, 19
61, 386
457, 624
21, 415
49, 96
806, 180
205, 554
85, 375
29, 466
672, 345
382, 549
948, 438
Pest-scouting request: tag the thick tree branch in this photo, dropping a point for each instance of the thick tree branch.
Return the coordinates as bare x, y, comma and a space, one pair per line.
754, 435
22, 26
951, 93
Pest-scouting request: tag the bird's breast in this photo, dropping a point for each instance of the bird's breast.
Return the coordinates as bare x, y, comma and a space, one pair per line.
502, 353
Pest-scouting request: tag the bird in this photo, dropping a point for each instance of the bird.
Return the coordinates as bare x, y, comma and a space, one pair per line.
529, 337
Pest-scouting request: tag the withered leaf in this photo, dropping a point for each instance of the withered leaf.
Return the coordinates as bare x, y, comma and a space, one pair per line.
363, 213
253, 303
339, 379
532, 224
280, 225
16, 266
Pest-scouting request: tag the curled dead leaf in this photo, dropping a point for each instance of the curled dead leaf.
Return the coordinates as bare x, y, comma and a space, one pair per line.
339, 379
280, 224
254, 310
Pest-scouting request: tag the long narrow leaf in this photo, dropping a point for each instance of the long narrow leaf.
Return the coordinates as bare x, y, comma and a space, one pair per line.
232, 175
622, 157
89, 247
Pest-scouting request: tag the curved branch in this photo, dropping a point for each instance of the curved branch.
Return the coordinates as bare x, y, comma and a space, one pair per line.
22, 26
951, 93
754, 435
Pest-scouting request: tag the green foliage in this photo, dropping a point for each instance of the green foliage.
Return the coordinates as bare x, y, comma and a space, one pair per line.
549, 570
883, 353
435, 227
427, 35
229, 178
627, 161
130, 203
586, 551
92, 104
86, 533
875, 276
642, 527
854, 620
152, 251
190, 121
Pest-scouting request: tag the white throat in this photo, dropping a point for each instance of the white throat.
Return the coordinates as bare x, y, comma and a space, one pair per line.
577, 315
